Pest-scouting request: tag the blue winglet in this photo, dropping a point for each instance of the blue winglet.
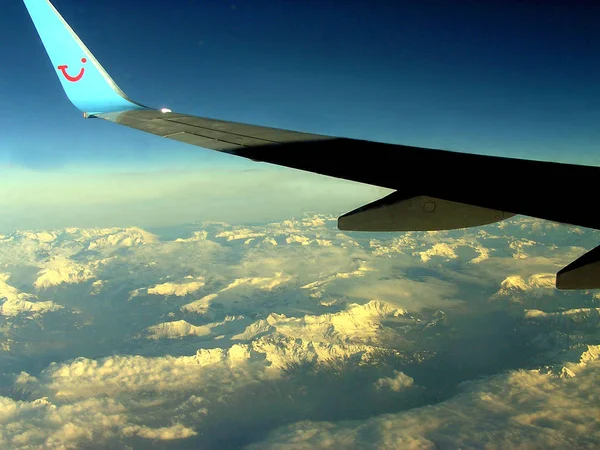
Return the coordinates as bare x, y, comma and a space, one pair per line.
84, 80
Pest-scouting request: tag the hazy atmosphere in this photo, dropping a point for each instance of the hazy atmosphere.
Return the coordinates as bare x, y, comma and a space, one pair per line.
158, 295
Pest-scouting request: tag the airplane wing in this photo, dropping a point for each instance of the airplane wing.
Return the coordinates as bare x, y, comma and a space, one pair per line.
434, 189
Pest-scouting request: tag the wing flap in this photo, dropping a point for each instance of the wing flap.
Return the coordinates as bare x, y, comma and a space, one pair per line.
583, 273
396, 212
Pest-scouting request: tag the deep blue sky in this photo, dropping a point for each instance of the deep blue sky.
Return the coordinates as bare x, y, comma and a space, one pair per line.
501, 77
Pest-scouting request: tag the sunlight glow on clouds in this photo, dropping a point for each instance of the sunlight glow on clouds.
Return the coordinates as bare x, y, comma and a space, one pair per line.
521, 409
254, 336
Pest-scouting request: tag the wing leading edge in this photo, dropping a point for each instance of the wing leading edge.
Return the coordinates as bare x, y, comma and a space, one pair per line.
435, 189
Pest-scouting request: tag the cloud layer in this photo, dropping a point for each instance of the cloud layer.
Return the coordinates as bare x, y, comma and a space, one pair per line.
294, 335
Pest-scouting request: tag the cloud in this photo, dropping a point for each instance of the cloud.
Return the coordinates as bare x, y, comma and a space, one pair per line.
177, 431
45, 423
409, 294
344, 339
519, 409
396, 383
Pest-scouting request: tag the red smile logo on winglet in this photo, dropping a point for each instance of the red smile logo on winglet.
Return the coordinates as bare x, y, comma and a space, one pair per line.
77, 77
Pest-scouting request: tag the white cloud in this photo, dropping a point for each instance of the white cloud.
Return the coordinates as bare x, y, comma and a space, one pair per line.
520, 409
53, 424
408, 294
280, 331
396, 383
176, 431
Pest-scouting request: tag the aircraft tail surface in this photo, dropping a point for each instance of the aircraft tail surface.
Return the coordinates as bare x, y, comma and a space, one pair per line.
84, 80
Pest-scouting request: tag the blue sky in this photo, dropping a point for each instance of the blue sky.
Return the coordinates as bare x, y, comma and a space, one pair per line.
506, 78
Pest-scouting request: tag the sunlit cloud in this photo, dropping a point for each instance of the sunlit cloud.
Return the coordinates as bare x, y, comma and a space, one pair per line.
142, 337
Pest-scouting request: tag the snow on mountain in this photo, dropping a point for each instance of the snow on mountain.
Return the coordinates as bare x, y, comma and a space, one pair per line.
257, 329
429, 245
289, 318
69, 256
181, 328
197, 236
59, 269
39, 236
15, 302
200, 306
178, 289
590, 355
177, 329
93, 237
303, 232
442, 249
537, 284
315, 221
117, 238
243, 233
265, 283
319, 221
358, 324
519, 247
318, 287
298, 239
283, 352
238, 288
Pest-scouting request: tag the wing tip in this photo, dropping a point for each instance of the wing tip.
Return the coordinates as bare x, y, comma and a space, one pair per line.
85, 82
